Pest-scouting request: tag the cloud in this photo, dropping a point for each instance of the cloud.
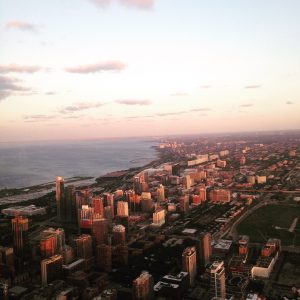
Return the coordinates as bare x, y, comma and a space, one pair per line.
133, 102
79, 107
38, 118
200, 109
253, 86
247, 105
20, 25
101, 3
289, 102
207, 86
13, 68
9, 86
179, 94
171, 113
51, 93
113, 65
140, 4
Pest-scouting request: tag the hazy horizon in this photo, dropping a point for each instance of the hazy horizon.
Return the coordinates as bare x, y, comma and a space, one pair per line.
95, 69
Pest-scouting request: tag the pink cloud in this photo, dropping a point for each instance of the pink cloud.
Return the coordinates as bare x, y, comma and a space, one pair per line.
133, 102
20, 25
14, 68
98, 67
142, 4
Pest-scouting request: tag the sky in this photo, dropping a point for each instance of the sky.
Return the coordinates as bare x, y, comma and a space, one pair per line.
82, 69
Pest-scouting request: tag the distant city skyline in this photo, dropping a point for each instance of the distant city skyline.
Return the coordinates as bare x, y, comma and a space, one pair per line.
86, 69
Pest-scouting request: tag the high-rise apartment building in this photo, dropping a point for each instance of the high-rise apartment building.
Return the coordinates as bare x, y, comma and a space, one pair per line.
143, 287
189, 262
217, 280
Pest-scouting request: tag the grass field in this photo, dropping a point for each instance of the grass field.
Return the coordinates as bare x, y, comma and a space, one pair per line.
261, 224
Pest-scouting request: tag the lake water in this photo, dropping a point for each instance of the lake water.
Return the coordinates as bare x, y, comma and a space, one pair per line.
27, 164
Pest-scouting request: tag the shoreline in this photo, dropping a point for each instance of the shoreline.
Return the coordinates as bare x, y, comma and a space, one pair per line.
24, 194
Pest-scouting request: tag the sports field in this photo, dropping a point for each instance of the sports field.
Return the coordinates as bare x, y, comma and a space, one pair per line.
272, 221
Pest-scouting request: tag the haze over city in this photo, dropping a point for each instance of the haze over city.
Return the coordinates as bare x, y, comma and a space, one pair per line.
99, 68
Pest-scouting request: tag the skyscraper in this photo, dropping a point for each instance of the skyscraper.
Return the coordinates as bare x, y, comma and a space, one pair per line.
202, 193
51, 268
205, 249
60, 194
109, 201
100, 230
189, 263
217, 279
119, 235
122, 209
84, 245
48, 245
159, 217
184, 203
59, 235
160, 193
143, 287
104, 257
20, 234
97, 204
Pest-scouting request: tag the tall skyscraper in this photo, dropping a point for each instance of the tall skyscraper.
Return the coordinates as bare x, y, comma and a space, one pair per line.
104, 257
7, 256
122, 209
205, 249
100, 230
159, 217
189, 263
184, 203
84, 245
109, 201
160, 193
187, 181
70, 214
60, 194
202, 193
217, 279
97, 204
143, 287
59, 235
51, 268
20, 234
48, 245
119, 235
121, 253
